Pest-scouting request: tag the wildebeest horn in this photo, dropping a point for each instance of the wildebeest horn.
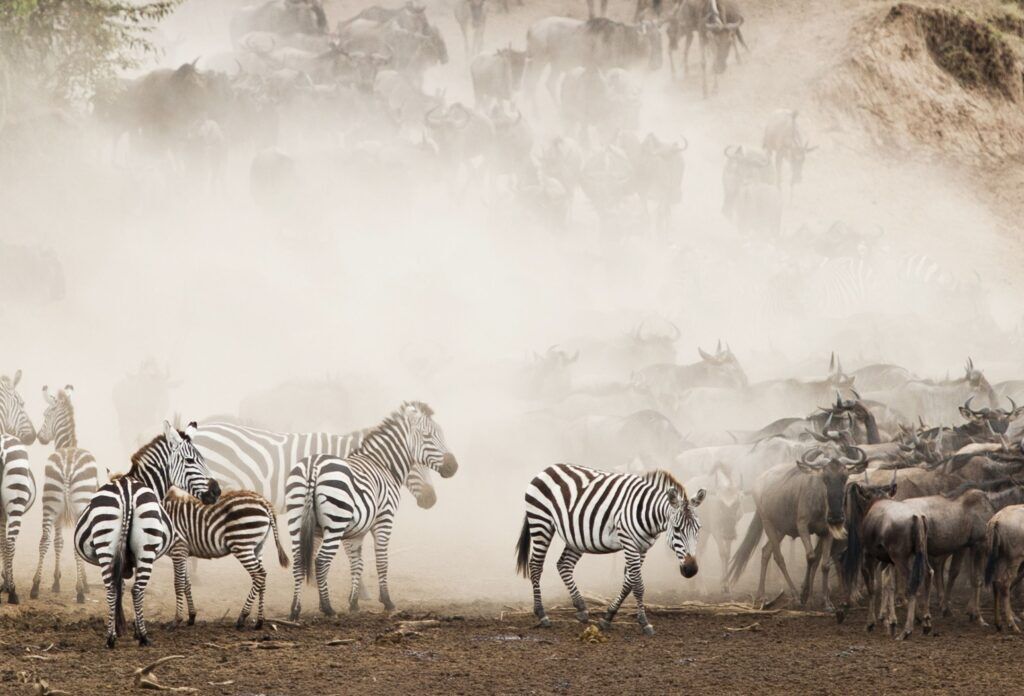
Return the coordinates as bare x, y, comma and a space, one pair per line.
817, 436
1013, 404
430, 119
703, 355
686, 144
861, 457
832, 362
811, 456
967, 404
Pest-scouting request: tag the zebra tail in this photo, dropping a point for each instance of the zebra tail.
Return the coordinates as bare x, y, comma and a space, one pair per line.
308, 525
993, 555
282, 556
118, 572
742, 556
523, 549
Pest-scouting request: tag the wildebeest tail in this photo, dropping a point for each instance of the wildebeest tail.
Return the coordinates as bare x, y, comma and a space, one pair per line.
523, 549
852, 556
919, 547
993, 554
746, 548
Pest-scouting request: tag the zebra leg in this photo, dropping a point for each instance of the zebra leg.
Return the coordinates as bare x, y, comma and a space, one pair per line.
81, 586
634, 562
139, 594
354, 551
566, 564
298, 574
58, 546
13, 526
328, 549
44, 546
252, 564
613, 608
112, 605
381, 536
179, 557
541, 540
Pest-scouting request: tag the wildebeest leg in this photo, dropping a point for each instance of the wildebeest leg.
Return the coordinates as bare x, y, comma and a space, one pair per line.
926, 618
604, 8
686, 52
766, 556
566, 564
703, 65
724, 552
590, 9
954, 561
813, 556
776, 541
903, 569
868, 572
977, 566
826, 566
702, 543
889, 583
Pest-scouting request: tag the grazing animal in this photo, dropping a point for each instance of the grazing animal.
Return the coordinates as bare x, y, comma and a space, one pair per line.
280, 17
125, 529
798, 501
886, 532
497, 76
1004, 540
717, 24
17, 493
472, 18
343, 498
237, 524
14, 419
742, 168
70, 478
721, 514
667, 381
784, 143
600, 512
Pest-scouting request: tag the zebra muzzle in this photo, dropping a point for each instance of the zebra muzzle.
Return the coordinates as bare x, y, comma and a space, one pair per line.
426, 498
211, 494
688, 567
449, 466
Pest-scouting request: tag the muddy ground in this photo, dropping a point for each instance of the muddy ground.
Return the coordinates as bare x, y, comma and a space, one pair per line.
477, 649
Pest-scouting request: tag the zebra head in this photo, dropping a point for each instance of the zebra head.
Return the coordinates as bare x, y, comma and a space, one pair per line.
186, 466
13, 418
683, 527
426, 441
58, 412
419, 484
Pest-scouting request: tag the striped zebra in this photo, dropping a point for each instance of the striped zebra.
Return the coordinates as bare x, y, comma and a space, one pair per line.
600, 512
125, 529
70, 478
13, 418
236, 524
343, 498
17, 493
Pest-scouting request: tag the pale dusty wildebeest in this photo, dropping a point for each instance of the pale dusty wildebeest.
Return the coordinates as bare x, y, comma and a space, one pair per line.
1004, 569
717, 24
886, 532
142, 399
742, 167
658, 168
798, 501
667, 381
721, 514
784, 142
282, 17
497, 76
938, 401
472, 18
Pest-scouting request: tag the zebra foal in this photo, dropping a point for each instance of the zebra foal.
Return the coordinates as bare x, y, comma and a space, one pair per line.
601, 512
17, 493
237, 524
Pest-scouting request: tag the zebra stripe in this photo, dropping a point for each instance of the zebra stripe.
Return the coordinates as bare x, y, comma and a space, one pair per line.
13, 418
244, 458
340, 499
124, 528
601, 512
236, 524
70, 478
17, 493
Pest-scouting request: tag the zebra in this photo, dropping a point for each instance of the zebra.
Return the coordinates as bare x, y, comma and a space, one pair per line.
343, 498
69, 480
17, 493
236, 524
13, 418
125, 529
602, 512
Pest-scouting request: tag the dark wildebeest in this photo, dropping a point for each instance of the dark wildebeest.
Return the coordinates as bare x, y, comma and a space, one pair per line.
937, 401
472, 17
562, 44
281, 17
14, 419
658, 168
891, 533
548, 375
783, 142
798, 501
717, 24
497, 76
606, 101
1004, 569
642, 440
412, 51
743, 168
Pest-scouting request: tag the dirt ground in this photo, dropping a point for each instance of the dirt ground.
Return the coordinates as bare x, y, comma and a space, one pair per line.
476, 649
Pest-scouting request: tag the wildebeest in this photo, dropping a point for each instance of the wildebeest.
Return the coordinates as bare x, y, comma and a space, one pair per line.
497, 76
890, 533
784, 142
721, 514
717, 24
607, 101
1004, 540
141, 400
644, 439
548, 375
562, 44
658, 168
798, 501
742, 167
667, 381
412, 51
282, 17
472, 18
411, 16
938, 401
300, 405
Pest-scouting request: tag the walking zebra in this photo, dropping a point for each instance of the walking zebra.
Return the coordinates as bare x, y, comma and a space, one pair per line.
236, 524
125, 529
69, 480
339, 498
13, 418
601, 512
17, 493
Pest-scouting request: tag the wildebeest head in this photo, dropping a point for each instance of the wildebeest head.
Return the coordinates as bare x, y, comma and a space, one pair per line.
650, 34
683, 528
305, 17
837, 378
721, 36
723, 362
14, 419
360, 67
996, 419
833, 464
742, 167
655, 342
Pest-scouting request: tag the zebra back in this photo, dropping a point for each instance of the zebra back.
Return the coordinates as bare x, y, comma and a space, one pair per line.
13, 418
17, 484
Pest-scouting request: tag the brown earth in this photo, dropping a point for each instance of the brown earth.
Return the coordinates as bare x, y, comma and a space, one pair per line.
480, 651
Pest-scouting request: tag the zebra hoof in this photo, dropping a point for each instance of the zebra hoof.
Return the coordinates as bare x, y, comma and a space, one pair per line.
545, 622
353, 608
80, 598
56, 587
240, 623
926, 628
604, 624
326, 610
648, 630
111, 640
144, 641
840, 615
258, 625
191, 619
583, 616
293, 615
34, 592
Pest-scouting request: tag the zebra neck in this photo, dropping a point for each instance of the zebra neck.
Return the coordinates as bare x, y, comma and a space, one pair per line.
152, 475
388, 449
65, 437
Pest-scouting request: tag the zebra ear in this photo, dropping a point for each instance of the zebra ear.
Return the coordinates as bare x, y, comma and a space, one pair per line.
698, 499
191, 429
171, 434
673, 497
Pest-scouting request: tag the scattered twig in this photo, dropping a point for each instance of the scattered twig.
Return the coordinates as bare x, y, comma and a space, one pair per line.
214, 645
143, 678
285, 622
341, 641
42, 688
753, 628
229, 682
38, 657
268, 644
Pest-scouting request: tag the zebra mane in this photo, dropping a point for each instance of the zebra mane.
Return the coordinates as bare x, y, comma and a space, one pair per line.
419, 406
664, 480
156, 442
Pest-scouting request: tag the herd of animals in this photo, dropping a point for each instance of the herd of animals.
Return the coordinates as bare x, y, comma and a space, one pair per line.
289, 80
892, 502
